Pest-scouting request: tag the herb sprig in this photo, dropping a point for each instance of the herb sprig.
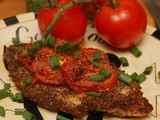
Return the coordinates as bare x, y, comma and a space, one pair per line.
18, 97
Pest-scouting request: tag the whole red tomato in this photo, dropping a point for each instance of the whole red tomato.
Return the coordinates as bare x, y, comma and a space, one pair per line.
123, 26
71, 25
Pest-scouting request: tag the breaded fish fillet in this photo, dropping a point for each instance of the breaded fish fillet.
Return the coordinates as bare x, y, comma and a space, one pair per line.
123, 100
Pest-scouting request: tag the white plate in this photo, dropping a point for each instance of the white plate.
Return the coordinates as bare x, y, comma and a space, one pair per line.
26, 28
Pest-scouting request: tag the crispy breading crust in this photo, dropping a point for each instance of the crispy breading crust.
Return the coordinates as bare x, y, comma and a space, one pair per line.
123, 100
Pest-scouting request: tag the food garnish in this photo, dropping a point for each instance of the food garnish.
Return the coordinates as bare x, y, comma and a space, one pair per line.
135, 51
124, 61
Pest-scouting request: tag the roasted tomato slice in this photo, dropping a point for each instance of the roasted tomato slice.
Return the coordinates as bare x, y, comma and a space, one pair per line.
25, 61
77, 72
42, 68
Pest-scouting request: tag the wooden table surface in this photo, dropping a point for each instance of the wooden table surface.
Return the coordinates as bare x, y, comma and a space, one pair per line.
9, 8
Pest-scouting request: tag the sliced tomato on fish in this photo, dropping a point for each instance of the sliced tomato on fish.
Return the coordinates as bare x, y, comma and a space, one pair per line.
77, 72
43, 70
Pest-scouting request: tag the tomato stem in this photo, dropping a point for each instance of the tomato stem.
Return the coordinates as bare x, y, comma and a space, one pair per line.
60, 12
55, 20
50, 3
53, 3
114, 3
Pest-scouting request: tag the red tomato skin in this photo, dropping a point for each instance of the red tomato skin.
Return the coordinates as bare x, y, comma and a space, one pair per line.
122, 27
71, 25
76, 72
25, 61
42, 69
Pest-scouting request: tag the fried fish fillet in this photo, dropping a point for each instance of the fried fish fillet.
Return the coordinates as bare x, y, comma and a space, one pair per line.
123, 100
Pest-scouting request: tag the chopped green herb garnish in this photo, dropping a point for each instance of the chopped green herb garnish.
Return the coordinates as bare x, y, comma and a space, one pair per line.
20, 111
19, 97
37, 46
77, 54
60, 117
125, 78
49, 41
54, 62
15, 41
140, 78
27, 52
148, 70
97, 77
32, 49
93, 62
7, 86
124, 61
64, 47
27, 82
12, 96
76, 47
28, 116
96, 56
105, 72
135, 51
19, 49
134, 75
2, 111
96, 94
4, 93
